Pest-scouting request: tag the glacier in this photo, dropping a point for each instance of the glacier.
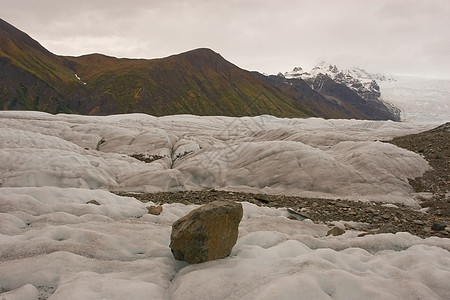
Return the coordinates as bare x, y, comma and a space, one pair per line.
302, 157
53, 245
419, 99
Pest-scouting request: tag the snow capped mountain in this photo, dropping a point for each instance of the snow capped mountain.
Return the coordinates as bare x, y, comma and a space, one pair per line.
413, 98
357, 79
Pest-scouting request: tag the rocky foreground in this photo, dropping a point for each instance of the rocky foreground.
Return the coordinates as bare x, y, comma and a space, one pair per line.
371, 217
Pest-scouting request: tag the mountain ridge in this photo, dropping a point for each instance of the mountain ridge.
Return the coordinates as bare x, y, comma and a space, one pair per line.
198, 81
358, 80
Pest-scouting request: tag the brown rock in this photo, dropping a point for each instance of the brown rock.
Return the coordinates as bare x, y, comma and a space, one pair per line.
335, 231
155, 210
352, 212
262, 198
206, 233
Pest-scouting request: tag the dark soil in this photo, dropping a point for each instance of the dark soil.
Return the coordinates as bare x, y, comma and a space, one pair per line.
379, 217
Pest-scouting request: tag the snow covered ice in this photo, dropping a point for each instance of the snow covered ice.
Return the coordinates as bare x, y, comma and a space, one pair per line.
54, 245
419, 99
307, 157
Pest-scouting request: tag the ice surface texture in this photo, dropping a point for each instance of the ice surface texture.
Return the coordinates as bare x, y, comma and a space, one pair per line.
53, 244
305, 157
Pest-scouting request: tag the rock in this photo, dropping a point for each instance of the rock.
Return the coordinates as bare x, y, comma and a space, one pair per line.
206, 233
297, 215
262, 198
335, 231
155, 210
418, 222
385, 216
428, 203
438, 226
95, 202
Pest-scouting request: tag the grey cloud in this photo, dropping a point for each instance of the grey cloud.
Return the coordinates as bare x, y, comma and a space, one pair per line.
402, 36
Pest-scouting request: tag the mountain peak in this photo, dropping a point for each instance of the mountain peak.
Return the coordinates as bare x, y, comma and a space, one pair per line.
199, 53
356, 79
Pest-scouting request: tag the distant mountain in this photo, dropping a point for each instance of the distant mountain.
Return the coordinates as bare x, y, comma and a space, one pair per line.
321, 104
197, 82
349, 86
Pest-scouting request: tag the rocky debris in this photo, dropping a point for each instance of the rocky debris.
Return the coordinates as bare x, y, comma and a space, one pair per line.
370, 216
433, 145
155, 210
335, 231
206, 233
373, 217
95, 202
147, 158
386, 228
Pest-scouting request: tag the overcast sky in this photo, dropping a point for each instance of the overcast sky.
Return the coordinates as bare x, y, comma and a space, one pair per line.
390, 36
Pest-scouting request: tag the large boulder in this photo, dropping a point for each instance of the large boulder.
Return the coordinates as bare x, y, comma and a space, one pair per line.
206, 233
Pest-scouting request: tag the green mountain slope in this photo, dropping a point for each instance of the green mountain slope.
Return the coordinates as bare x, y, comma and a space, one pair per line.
196, 82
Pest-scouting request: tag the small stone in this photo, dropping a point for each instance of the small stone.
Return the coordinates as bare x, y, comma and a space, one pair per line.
385, 216
428, 203
298, 215
352, 212
335, 231
262, 198
95, 202
418, 222
364, 234
348, 226
155, 210
438, 226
